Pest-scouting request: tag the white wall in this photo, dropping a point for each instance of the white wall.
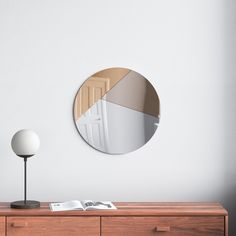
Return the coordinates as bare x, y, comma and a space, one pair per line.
49, 47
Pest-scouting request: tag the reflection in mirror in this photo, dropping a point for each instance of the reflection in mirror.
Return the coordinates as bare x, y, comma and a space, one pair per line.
116, 110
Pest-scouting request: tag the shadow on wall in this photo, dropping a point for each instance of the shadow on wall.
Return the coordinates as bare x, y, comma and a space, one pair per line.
229, 195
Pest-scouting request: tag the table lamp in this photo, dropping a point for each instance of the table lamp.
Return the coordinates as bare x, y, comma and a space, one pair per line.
25, 144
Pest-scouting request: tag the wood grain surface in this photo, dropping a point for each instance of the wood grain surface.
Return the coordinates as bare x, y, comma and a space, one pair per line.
2, 226
167, 226
127, 209
53, 226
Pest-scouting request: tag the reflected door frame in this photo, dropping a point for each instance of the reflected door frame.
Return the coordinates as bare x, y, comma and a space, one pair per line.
90, 115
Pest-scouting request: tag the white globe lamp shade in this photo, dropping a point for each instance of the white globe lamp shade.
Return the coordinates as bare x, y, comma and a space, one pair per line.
25, 143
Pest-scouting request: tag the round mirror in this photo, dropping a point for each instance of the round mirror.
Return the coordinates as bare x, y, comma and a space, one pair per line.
116, 110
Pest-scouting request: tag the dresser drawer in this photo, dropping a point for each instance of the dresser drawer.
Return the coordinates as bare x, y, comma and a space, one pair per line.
166, 226
2, 226
53, 226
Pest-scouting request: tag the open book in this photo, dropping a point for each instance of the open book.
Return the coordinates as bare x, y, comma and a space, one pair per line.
85, 205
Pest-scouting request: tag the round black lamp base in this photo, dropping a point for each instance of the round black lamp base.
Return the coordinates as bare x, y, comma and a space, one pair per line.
29, 204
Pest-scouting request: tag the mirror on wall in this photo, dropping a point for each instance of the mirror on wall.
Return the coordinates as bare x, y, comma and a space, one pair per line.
116, 110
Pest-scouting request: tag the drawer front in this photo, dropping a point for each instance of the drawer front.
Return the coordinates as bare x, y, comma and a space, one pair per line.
2, 226
53, 226
166, 226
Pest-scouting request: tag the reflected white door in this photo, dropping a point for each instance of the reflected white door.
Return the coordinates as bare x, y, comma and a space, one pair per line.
93, 126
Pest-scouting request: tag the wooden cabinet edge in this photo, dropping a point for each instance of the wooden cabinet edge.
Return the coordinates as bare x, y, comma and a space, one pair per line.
226, 225
2, 225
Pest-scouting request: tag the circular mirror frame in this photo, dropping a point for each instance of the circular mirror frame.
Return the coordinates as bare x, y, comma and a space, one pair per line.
111, 95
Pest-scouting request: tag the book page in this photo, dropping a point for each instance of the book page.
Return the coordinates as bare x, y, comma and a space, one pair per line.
66, 206
97, 205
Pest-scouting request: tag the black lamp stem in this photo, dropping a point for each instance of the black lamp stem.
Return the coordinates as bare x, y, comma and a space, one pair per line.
25, 204
25, 179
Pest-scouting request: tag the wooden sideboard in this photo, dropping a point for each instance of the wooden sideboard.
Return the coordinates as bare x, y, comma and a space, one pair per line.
131, 219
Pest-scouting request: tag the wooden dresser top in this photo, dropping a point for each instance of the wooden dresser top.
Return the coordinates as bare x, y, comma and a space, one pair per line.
127, 209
